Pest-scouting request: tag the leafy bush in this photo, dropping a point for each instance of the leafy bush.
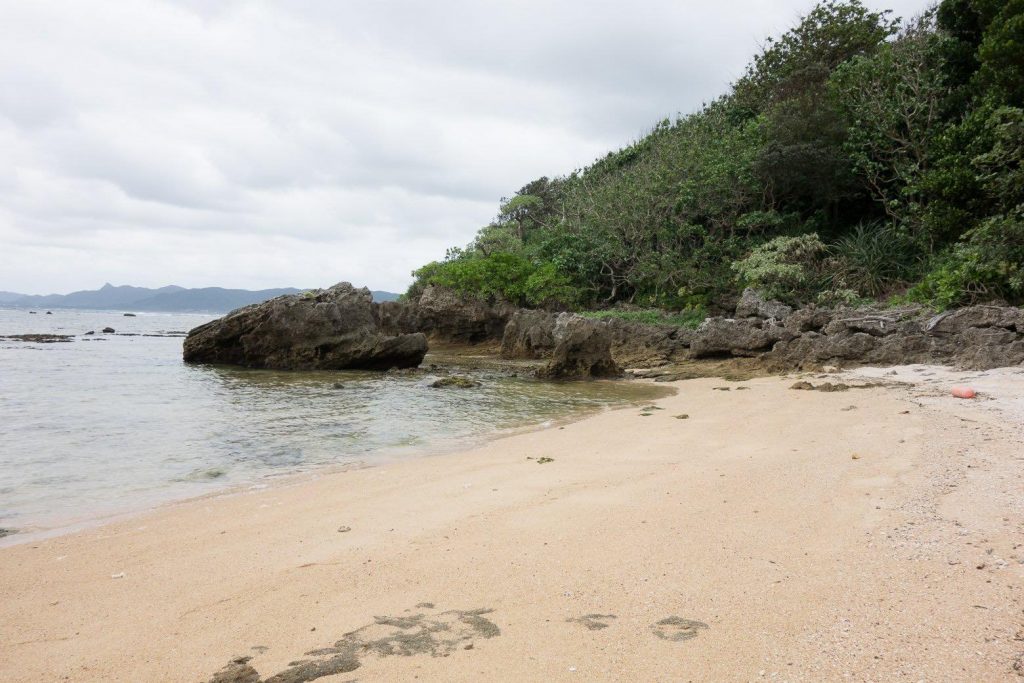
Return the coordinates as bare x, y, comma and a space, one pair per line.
785, 268
987, 264
501, 275
872, 260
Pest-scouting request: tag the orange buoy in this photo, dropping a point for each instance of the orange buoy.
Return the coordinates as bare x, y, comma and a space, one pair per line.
964, 392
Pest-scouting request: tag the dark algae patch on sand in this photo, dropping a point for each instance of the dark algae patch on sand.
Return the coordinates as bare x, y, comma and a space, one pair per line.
593, 622
677, 628
438, 635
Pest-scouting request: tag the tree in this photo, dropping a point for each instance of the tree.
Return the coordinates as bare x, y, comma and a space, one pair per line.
893, 101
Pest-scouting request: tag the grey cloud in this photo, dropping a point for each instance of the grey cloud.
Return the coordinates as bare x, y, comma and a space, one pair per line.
257, 143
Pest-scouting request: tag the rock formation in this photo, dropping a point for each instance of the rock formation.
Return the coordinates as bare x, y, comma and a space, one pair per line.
582, 349
448, 317
976, 337
327, 329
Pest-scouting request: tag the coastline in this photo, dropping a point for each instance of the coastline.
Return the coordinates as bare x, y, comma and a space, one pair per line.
383, 457
749, 526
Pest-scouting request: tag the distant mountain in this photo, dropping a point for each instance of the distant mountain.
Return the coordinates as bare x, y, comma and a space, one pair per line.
107, 296
165, 299
215, 299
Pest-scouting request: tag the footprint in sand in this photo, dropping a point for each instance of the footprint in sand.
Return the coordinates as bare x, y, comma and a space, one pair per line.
437, 634
677, 628
593, 622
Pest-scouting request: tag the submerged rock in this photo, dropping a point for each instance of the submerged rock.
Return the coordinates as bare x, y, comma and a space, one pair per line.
455, 382
582, 350
327, 329
39, 338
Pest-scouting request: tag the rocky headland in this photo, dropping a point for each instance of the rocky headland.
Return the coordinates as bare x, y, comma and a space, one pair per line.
342, 327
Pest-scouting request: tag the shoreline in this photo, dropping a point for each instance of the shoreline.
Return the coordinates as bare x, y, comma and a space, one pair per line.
744, 541
383, 457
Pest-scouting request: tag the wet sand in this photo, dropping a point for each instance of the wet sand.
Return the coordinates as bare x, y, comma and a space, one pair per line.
870, 534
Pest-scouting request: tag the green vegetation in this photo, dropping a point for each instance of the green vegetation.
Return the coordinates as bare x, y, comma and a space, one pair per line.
858, 157
652, 316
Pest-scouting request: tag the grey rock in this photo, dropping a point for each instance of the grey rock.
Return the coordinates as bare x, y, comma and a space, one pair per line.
327, 329
446, 315
529, 334
810, 319
582, 350
955, 322
641, 345
753, 304
728, 336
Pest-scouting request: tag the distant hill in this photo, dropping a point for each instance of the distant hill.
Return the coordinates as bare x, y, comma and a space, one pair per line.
165, 299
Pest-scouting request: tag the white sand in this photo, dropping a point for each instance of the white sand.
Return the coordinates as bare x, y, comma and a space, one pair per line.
752, 516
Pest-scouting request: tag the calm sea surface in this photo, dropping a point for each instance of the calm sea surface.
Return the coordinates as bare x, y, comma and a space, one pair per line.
113, 423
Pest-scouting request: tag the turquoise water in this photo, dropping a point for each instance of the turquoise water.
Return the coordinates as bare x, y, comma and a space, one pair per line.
113, 423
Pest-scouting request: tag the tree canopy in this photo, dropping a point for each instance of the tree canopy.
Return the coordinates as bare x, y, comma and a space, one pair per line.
858, 156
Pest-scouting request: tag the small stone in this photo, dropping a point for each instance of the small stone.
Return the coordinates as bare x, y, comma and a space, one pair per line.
344, 529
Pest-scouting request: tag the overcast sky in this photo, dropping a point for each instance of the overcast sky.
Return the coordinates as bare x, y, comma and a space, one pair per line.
305, 142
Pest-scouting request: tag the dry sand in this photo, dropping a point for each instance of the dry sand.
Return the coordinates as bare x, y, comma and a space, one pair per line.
866, 535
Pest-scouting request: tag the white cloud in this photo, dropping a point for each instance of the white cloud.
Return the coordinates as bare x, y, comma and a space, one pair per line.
259, 144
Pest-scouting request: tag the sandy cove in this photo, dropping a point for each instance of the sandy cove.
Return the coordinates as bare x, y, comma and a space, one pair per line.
866, 535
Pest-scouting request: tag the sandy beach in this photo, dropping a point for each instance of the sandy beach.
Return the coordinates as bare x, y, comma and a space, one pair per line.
872, 534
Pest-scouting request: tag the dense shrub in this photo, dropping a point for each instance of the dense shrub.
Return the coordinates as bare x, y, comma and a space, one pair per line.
785, 268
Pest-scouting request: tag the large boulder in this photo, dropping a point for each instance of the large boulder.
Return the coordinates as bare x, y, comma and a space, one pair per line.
583, 349
529, 334
328, 329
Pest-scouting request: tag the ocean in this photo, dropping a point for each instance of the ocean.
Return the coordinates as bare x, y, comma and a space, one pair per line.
113, 423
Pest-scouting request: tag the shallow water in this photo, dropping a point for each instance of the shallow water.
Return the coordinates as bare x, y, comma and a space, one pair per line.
113, 423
